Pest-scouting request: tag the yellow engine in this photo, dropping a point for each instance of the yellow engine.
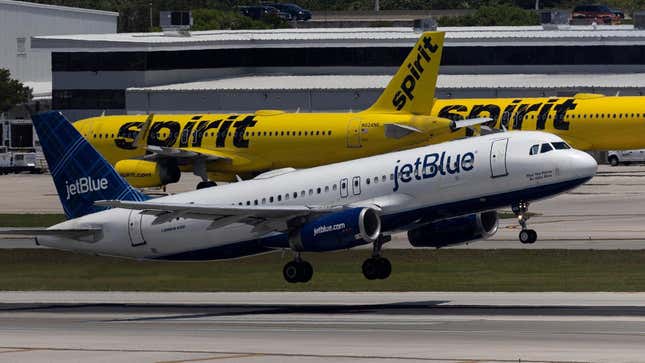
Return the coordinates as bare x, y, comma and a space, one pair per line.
144, 174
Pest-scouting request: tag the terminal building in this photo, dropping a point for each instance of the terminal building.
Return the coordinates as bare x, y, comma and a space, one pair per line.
329, 69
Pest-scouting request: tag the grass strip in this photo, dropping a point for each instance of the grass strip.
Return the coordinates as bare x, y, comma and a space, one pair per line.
413, 270
30, 220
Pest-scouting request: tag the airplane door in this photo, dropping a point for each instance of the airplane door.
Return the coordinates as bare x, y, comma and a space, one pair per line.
134, 229
356, 185
498, 158
354, 133
344, 188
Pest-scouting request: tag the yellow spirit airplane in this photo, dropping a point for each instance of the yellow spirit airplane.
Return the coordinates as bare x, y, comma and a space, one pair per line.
586, 121
150, 150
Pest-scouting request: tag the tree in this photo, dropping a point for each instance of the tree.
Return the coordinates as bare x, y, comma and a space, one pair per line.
12, 91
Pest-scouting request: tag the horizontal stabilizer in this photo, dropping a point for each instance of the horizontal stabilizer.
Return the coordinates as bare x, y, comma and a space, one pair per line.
84, 234
459, 124
397, 131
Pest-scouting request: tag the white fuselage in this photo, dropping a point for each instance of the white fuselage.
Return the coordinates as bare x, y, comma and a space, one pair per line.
433, 182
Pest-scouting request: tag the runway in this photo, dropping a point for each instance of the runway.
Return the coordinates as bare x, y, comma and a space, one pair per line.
322, 327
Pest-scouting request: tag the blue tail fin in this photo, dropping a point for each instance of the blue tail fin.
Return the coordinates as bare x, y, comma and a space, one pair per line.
82, 176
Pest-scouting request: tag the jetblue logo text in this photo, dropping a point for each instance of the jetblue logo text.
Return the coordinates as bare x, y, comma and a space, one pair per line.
325, 229
432, 165
415, 72
85, 185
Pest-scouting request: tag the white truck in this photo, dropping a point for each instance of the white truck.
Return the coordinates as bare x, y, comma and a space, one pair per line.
19, 161
616, 157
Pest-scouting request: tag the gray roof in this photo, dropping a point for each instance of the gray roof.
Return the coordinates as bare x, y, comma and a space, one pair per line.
26, 4
447, 81
350, 37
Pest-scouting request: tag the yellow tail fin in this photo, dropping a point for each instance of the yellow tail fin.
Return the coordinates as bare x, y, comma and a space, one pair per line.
411, 90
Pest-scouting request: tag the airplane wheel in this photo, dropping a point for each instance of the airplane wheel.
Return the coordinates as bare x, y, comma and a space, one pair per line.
291, 272
206, 184
306, 271
384, 268
528, 236
370, 269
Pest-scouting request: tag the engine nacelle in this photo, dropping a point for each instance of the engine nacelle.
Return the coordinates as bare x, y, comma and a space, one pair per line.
455, 230
144, 174
336, 231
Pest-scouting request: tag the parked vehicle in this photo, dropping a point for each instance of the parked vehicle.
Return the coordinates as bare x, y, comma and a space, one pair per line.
600, 13
296, 12
616, 157
258, 12
619, 13
18, 162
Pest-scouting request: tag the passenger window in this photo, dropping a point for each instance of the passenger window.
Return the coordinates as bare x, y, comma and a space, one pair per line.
311, 192
334, 187
534, 149
264, 201
295, 195
546, 148
279, 198
367, 180
271, 199
318, 190
248, 202
302, 193
375, 179
560, 145
286, 197
326, 188
255, 202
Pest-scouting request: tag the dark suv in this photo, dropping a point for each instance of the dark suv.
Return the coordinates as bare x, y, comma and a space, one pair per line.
600, 13
258, 12
294, 10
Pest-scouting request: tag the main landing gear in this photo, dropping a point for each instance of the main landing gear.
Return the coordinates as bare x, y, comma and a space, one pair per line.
526, 236
377, 267
298, 270
199, 169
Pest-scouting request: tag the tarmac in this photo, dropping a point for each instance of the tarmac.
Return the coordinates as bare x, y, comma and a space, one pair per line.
605, 213
322, 327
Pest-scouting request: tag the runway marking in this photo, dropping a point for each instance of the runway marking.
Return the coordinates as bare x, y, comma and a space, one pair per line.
290, 355
234, 356
17, 350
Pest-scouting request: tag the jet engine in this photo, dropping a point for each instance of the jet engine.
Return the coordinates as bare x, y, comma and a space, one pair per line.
335, 231
454, 231
143, 174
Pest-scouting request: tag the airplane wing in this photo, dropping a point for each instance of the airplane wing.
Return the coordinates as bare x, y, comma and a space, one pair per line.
269, 218
83, 234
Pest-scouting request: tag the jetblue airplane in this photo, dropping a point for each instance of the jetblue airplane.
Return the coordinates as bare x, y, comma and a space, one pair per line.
442, 194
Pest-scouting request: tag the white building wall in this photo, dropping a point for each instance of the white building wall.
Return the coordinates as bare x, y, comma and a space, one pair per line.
21, 20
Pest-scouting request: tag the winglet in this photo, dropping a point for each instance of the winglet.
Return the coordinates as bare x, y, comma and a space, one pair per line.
412, 88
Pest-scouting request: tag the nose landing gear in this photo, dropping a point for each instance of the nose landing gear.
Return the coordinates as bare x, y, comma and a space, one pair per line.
377, 267
526, 236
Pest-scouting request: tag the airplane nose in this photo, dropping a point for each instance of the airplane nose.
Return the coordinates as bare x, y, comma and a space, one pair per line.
585, 165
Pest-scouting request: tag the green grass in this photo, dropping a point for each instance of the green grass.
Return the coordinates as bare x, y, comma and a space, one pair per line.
30, 220
413, 270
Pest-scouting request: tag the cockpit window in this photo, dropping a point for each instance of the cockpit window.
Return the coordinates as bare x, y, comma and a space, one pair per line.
534, 149
560, 145
545, 148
